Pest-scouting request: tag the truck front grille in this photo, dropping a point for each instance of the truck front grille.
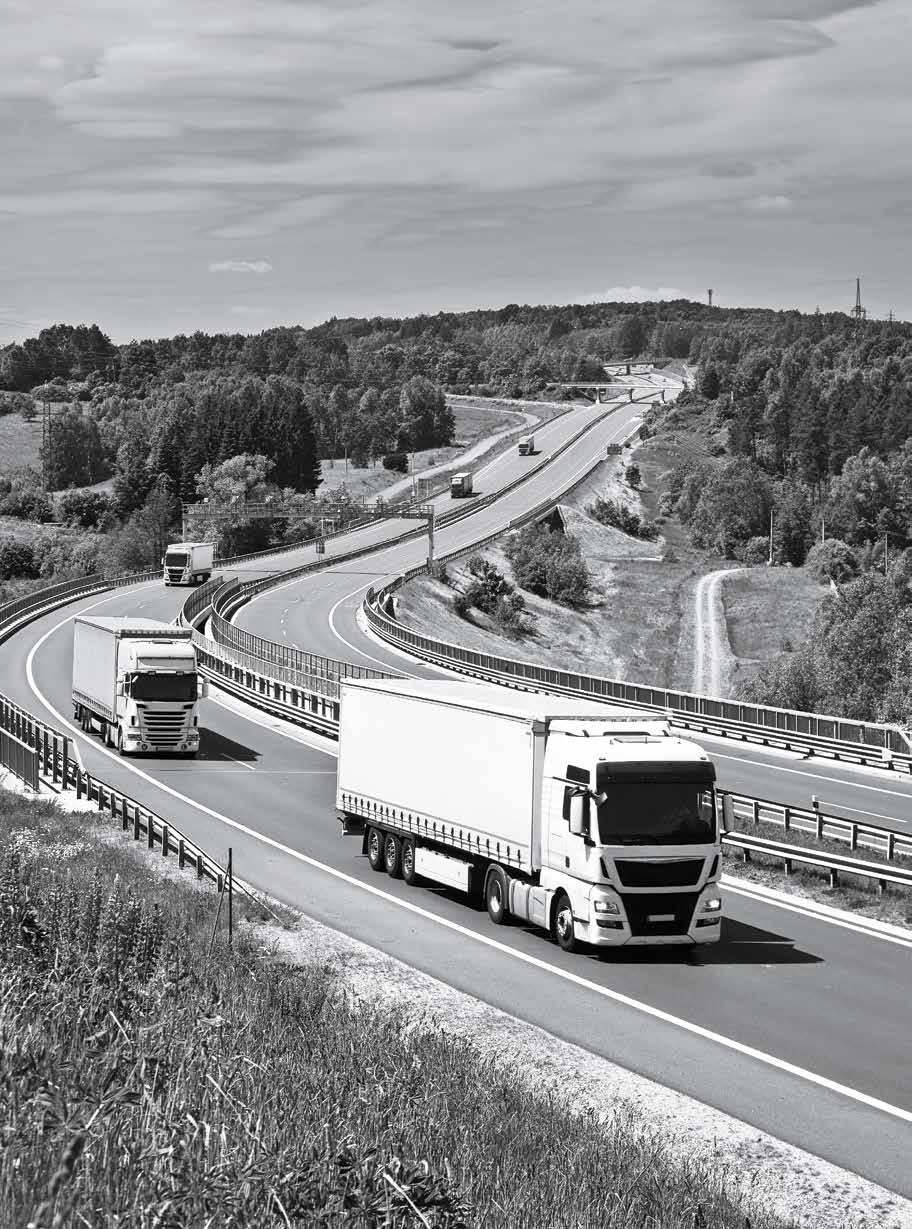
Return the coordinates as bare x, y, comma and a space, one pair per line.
636, 873
175, 575
164, 729
675, 908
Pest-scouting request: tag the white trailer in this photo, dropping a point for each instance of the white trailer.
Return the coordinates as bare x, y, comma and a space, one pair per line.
135, 683
460, 485
188, 563
592, 821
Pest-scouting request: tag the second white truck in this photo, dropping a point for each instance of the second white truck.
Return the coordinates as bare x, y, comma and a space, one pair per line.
594, 822
188, 563
135, 682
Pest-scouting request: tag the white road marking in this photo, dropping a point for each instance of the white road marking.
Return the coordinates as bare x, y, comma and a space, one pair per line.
819, 776
864, 926
615, 996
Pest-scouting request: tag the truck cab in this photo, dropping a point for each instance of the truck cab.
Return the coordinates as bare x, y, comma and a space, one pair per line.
526, 446
630, 836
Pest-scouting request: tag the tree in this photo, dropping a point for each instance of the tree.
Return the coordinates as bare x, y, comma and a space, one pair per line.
709, 383
792, 532
132, 476
16, 559
732, 507
73, 454
87, 509
632, 476
427, 420
237, 480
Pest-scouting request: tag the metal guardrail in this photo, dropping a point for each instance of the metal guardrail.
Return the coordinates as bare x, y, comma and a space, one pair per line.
857, 835
40, 755
835, 863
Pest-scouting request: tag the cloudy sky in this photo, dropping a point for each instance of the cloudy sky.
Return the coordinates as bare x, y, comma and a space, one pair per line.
232, 164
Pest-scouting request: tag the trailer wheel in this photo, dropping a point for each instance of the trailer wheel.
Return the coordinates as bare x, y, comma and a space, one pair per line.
496, 895
409, 874
562, 923
375, 849
392, 855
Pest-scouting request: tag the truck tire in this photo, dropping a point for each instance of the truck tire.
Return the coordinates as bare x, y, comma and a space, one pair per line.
496, 895
409, 874
375, 849
392, 855
562, 923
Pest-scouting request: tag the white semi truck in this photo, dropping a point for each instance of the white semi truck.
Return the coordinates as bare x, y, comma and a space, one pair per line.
135, 683
188, 563
594, 822
461, 485
527, 446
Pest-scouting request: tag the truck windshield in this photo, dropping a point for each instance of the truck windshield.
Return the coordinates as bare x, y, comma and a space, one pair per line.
180, 687
656, 804
175, 559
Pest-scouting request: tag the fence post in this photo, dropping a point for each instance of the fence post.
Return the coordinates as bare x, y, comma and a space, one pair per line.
65, 765
815, 803
165, 838
891, 845
230, 899
834, 877
787, 817
853, 837
756, 813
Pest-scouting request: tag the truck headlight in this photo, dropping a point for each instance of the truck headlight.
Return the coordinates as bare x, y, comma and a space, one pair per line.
712, 904
605, 906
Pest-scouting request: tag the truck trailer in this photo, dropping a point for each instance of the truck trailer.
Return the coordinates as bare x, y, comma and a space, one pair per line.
460, 485
135, 682
594, 822
188, 563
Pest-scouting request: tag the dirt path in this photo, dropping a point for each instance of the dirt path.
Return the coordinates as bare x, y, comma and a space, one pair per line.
711, 647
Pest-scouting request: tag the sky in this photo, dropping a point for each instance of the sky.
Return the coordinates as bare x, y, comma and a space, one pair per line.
170, 165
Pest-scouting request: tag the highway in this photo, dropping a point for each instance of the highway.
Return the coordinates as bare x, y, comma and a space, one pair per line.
795, 1024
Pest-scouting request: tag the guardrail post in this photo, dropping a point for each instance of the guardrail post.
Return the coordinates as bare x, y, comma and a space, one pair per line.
787, 865
65, 761
787, 817
150, 831
891, 845
745, 855
834, 877
136, 829
199, 865
756, 813
78, 783
180, 853
165, 838
853, 837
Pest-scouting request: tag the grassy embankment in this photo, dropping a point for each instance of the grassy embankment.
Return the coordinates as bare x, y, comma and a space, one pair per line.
20, 442
638, 623
149, 1081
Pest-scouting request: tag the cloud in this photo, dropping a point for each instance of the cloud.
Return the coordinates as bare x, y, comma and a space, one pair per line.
770, 204
634, 294
259, 267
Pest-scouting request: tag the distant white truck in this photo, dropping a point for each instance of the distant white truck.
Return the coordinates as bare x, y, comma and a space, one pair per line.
527, 446
460, 485
135, 682
188, 563
598, 824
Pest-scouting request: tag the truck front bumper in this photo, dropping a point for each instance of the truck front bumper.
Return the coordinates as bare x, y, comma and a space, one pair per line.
659, 925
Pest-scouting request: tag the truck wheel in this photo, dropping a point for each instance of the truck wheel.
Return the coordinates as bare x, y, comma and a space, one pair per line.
375, 849
120, 749
496, 895
392, 855
562, 924
409, 874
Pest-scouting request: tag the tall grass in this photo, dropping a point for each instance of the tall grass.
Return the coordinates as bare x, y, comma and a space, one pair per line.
144, 1084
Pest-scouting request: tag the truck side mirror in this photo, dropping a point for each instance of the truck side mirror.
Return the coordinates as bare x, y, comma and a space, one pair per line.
579, 814
728, 814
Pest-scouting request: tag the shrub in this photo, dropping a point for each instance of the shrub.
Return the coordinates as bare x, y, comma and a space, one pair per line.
616, 514
832, 560
549, 564
26, 499
667, 502
754, 551
17, 559
632, 476
488, 587
396, 461
86, 509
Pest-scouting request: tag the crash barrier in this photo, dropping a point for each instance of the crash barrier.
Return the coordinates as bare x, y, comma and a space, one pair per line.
49, 762
887, 745
812, 820
834, 863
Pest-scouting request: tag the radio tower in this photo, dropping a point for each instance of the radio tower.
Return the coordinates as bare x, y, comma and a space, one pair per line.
710, 293
859, 312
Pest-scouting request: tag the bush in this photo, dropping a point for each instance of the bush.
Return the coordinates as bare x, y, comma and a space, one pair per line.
25, 498
832, 560
17, 559
616, 514
488, 587
754, 551
396, 461
632, 476
667, 503
87, 509
549, 564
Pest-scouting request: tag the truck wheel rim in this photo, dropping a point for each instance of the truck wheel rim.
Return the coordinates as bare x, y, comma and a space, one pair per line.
495, 897
374, 845
408, 859
564, 921
390, 851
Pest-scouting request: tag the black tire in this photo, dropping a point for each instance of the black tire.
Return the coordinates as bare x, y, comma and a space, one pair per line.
392, 855
562, 923
375, 849
497, 895
409, 874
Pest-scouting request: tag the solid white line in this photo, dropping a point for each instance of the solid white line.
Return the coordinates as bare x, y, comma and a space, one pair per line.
575, 979
817, 776
863, 926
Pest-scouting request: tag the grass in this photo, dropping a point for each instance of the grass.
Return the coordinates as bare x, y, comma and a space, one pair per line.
763, 608
20, 442
149, 1083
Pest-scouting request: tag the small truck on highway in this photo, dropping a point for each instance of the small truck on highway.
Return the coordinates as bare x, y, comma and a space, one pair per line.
188, 563
135, 682
460, 485
527, 446
594, 822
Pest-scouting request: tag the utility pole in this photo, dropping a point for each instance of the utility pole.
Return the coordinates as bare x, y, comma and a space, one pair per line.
771, 541
886, 555
431, 541
710, 294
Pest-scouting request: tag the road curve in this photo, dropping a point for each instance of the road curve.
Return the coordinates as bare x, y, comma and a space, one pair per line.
793, 1023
